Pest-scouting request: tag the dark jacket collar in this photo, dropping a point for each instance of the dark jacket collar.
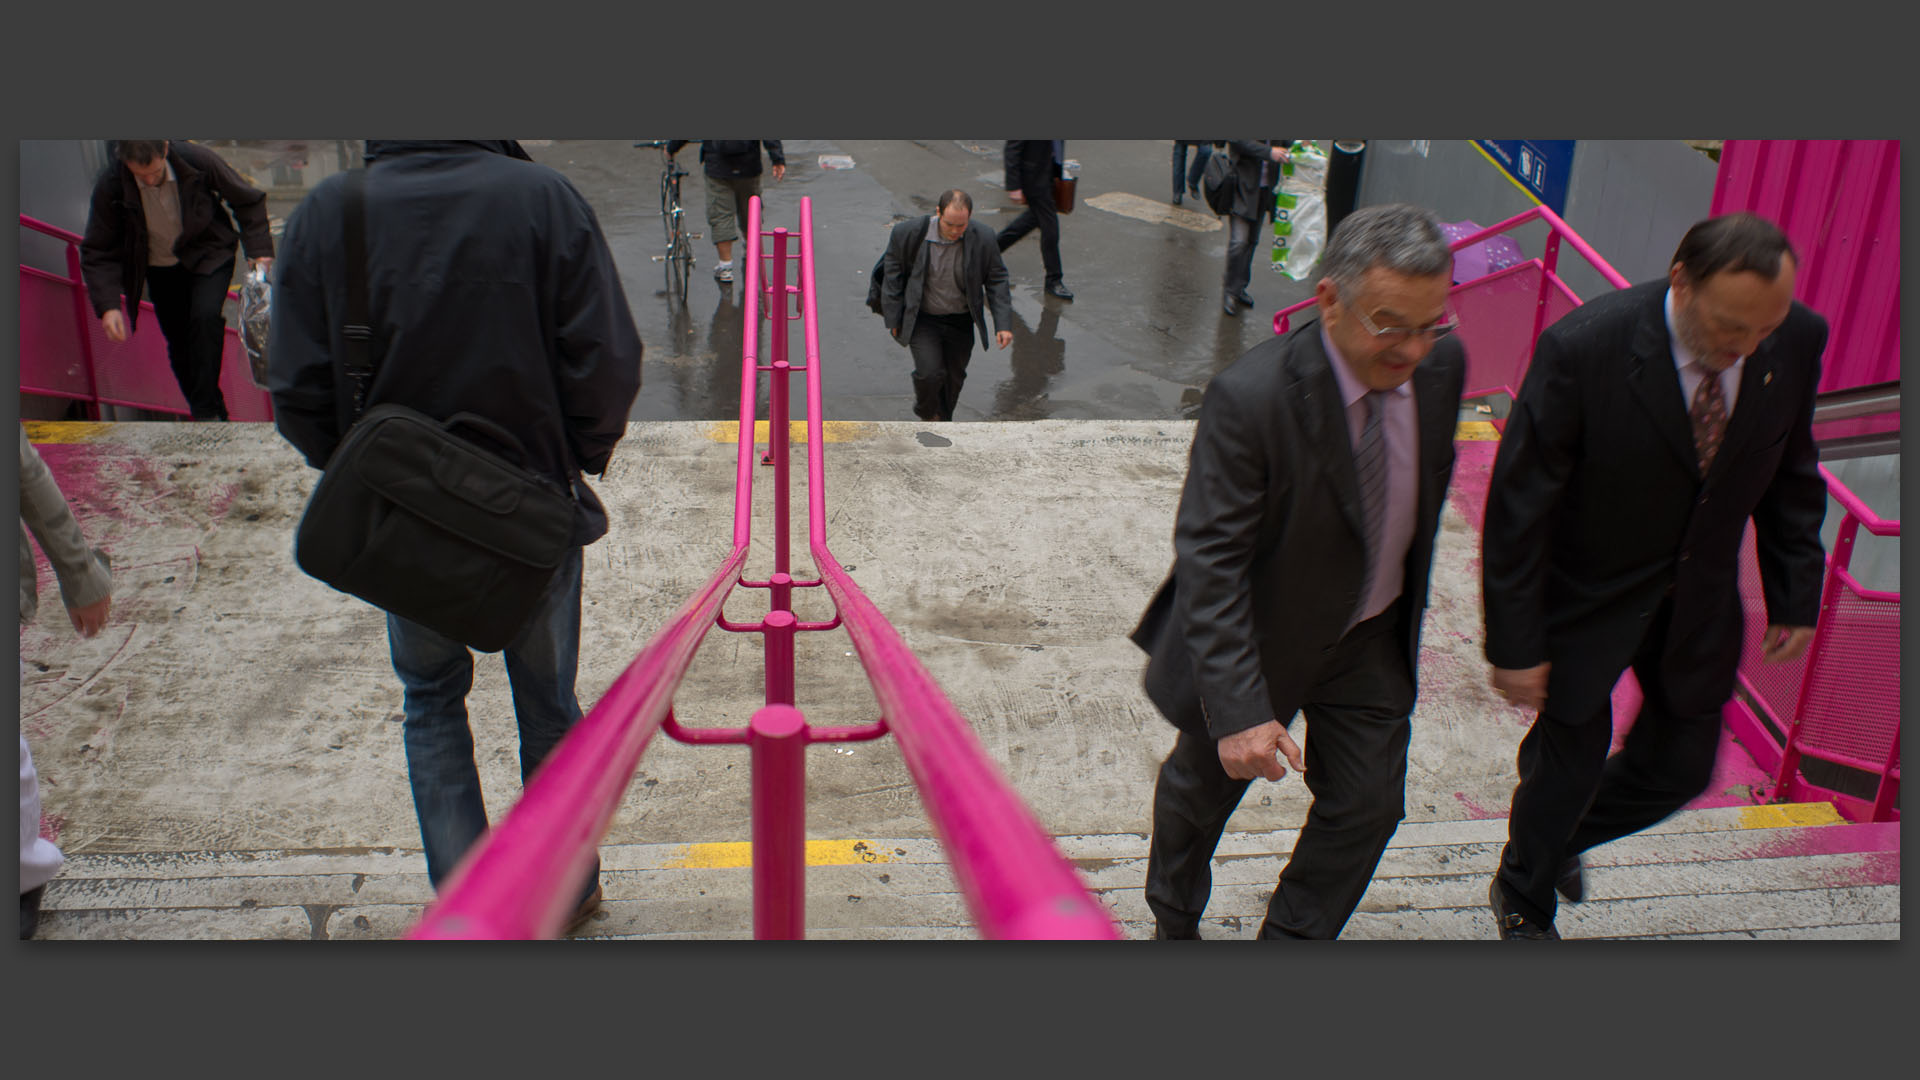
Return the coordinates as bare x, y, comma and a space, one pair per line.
385, 148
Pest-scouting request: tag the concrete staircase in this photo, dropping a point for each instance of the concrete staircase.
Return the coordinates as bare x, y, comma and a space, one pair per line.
1735, 872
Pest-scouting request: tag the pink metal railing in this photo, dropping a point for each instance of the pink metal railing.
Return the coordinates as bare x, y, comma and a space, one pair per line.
65, 354
1841, 701
1498, 347
520, 879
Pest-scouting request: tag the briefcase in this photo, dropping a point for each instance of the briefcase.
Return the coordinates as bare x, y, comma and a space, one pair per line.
420, 522
1063, 194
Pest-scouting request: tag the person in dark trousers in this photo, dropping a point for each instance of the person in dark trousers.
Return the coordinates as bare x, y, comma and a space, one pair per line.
1184, 179
157, 220
491, 291
1032, 167
1652, 424
943, 274
1303, 544
1256, 172
732, 171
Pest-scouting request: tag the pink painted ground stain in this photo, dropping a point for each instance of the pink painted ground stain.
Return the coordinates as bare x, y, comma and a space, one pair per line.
1475, 810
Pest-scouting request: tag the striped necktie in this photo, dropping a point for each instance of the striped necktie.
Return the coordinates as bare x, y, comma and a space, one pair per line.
1370, 465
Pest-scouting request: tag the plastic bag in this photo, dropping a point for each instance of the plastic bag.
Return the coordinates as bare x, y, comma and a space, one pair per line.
1300, 211
256, 293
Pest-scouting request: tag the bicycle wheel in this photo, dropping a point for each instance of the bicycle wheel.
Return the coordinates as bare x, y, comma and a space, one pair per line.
669, 199
679, 266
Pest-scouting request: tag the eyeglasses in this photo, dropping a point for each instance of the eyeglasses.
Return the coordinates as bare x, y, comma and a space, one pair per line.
1449, 322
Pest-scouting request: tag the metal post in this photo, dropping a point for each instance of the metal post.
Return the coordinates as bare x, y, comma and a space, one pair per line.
780, 628
82, 309
778, 739
781, 585
1548, 262
1841, 558
778, 407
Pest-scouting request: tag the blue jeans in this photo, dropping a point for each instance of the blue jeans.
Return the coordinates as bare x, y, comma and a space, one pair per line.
437, 672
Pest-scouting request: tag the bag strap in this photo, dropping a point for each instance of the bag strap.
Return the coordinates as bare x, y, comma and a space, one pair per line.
358, 328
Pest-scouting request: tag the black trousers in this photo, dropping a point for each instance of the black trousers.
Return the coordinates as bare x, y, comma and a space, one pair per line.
188, 307
1356, 754
1243, 239
1572, 796
1040, 213
941, 346
1183, 178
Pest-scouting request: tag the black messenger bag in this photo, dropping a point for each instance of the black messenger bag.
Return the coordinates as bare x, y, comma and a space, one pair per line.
420, 522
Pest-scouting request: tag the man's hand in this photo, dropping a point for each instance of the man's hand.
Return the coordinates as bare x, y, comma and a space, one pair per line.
779, 173
264, 265
895, 331
1018, 196
88, 620
1525, 687
1281, 153
1784, 644
1004, 337
1250, 754
115, 324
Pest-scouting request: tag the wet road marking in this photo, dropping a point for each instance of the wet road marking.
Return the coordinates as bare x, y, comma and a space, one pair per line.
1154, 212
44, 432
727, 431
733, 854
1787, 815
1476, 431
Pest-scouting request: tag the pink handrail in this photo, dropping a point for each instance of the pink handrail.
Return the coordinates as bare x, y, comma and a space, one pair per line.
1016, 883
1559, 230
1869, 520
519, 880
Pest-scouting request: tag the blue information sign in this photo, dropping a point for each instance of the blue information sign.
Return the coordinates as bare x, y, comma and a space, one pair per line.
1540, 166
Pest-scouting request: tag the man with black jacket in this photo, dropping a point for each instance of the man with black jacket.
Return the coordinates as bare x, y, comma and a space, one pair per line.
733, 176
156, 221
490, 291
1654, 423
1032, 167
1256, 172
941, 271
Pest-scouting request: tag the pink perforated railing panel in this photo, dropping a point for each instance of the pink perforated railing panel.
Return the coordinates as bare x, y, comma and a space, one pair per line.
1496, 326
1778, 685
1853, 699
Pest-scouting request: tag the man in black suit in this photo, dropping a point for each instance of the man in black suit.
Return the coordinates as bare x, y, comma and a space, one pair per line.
1256, 172
942, 273
1032, 167
1302, 548
1652, 424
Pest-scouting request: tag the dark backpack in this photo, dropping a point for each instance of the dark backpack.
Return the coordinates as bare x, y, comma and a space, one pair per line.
877, 278
1217, 183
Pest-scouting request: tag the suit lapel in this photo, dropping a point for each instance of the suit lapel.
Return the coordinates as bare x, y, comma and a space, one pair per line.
1655, 382
1756, 383
1316, 403
1437, 419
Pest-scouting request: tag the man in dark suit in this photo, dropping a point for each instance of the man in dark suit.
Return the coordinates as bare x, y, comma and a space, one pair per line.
1256, 172
941, 274
1032, 167
1302, 548
1652, 424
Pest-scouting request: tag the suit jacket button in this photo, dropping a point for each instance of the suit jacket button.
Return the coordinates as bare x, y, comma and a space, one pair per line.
1685, 555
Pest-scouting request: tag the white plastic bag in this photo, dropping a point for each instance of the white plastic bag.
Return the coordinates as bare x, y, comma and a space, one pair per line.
1300, 211
255, 296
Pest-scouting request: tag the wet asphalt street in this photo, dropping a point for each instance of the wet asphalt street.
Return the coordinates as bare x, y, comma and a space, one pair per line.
1139, 341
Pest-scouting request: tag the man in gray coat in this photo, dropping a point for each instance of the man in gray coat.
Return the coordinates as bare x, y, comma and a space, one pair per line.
941, 271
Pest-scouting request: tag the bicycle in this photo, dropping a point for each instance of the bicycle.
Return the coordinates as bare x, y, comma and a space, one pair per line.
679, 254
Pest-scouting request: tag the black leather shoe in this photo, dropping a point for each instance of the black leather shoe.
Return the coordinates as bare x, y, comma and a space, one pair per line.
1177, 199
1572, 880
1163, 932
1227, 305
1193, 190
1059, 289
1243, 299
1513, 925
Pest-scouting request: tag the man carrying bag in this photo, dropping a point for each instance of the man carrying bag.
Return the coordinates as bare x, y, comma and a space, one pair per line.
490, 362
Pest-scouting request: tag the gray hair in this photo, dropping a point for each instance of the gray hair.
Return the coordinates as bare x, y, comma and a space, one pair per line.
1402, 238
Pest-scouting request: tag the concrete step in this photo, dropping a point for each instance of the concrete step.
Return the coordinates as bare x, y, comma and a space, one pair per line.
1734, 872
